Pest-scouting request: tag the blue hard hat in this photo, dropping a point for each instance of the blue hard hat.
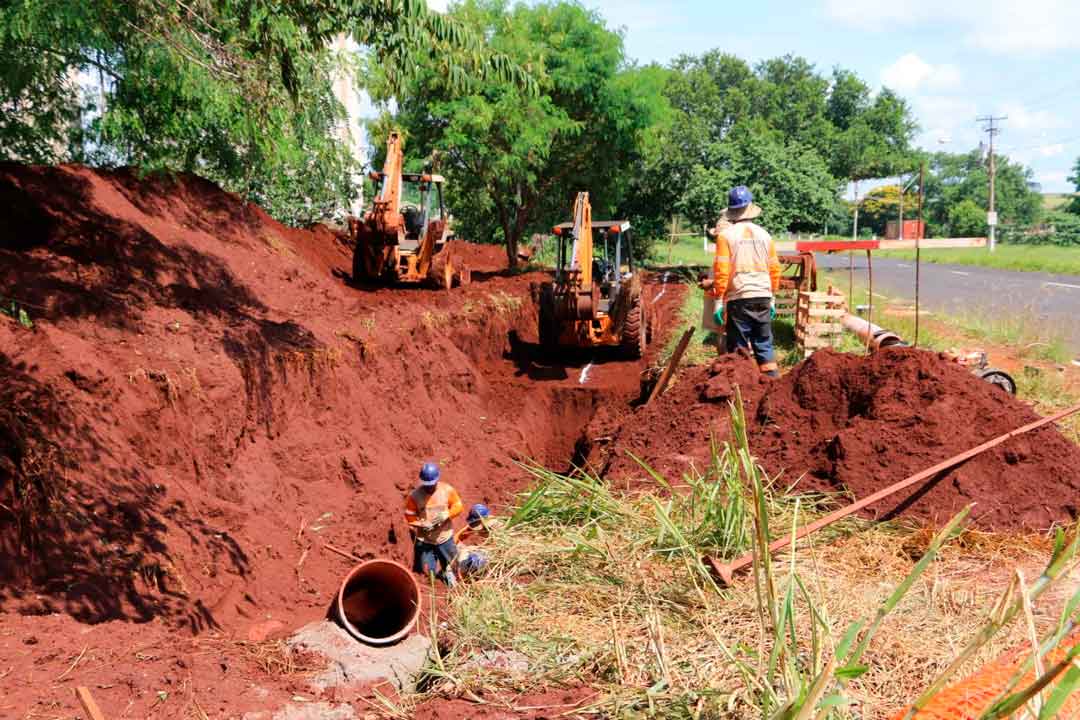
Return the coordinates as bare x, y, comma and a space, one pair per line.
429, 474
477, 512
473, 562
739, 197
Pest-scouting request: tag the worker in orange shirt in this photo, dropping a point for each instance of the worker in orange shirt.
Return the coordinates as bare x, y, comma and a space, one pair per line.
429, 510
746, 274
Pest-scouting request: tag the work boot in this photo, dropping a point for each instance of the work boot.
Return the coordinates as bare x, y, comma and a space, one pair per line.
448, 578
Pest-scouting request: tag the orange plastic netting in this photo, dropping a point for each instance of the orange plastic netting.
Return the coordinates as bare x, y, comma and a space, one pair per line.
969, 698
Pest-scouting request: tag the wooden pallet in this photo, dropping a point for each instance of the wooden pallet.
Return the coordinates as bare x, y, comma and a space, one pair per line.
817, 323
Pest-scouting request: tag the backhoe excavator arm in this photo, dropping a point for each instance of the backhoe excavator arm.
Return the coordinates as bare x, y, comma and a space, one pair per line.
386, 210
581, 256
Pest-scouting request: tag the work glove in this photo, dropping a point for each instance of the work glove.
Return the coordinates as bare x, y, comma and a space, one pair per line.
772, 309
718, 316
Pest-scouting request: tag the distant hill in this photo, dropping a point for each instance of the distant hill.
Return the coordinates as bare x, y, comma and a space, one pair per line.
1054, 201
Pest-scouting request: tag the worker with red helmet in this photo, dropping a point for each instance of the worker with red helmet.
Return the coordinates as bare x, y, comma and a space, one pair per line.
746, 274
429, 510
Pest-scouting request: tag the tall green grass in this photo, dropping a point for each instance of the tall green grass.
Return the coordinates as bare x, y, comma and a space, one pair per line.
597, 588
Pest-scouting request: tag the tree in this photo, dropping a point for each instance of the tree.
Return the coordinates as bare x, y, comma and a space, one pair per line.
789, 181
881, 206
966, 219
514, 161
1074, 206
734, 123
953, 178
238, 92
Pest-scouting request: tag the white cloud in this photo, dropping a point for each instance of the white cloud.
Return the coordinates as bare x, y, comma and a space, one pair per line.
1052, 150
1020, 118
910, 73
999, 26
438, 5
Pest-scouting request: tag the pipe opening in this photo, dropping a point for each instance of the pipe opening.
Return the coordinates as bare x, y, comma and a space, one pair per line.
378, 602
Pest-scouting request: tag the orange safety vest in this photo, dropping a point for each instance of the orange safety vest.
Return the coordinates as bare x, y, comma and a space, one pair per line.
745, 265
426, 506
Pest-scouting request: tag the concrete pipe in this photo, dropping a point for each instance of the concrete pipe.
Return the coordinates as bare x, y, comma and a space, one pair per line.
378, 602
879, 336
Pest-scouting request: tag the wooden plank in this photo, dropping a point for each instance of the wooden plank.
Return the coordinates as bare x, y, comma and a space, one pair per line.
821, 329
676, 356
824, 312
89, 706
821, 297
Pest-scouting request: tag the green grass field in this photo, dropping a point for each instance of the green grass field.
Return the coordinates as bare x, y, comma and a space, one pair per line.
1025, 258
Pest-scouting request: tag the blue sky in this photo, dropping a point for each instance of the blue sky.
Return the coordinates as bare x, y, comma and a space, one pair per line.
952, 59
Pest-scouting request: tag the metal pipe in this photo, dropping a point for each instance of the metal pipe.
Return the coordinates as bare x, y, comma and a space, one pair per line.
378, 602
873, 335
727, 571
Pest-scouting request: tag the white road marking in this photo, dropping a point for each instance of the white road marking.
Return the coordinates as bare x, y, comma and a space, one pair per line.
957, 272
584, 376
1064, 285
903, 265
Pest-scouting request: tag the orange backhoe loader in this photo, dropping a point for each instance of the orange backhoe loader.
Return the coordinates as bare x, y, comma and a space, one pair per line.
407, 224
595, 299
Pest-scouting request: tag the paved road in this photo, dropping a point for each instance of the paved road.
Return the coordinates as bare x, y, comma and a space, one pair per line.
964, 290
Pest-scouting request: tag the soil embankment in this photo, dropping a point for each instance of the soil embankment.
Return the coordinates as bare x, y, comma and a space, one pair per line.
840, 422
204, 401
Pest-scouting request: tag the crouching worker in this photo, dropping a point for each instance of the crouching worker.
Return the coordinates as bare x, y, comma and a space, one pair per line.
429, 510
746, 274
470, 560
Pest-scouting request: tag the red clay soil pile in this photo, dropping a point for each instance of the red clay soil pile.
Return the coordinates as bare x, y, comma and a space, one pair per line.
480, 259
203, 401
841, 422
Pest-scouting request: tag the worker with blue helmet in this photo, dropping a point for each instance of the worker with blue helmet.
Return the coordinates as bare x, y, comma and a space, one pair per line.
429, 510
746, 276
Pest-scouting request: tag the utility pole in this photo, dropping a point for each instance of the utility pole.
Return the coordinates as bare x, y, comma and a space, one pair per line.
991, 215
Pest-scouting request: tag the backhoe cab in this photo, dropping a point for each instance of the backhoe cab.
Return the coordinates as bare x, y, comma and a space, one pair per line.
406, 226
595, 299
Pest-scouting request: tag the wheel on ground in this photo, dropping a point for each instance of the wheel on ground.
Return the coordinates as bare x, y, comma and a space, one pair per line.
999, 378
635, 330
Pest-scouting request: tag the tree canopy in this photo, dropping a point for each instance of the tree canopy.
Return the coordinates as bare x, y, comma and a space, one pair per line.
513, 160
788, 132
953, 179
238, 92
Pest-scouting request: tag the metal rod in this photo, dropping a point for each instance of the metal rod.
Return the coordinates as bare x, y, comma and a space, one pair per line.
727, 571
869, 295
918, 245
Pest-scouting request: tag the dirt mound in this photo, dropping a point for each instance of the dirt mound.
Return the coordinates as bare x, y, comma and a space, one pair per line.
480, 259
203, 401
845, 422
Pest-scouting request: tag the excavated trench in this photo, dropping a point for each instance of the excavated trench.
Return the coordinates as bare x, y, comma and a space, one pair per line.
204, 405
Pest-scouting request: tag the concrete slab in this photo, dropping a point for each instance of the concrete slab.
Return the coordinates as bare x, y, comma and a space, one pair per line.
354, 664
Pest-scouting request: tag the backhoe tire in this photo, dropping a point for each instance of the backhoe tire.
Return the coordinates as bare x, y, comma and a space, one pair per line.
547, 329
635, 329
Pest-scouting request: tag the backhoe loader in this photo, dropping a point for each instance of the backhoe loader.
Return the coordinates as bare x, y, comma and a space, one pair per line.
595, 298
406, 226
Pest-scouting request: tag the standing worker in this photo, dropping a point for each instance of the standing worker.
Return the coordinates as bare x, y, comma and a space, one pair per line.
746, 273
429, 510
